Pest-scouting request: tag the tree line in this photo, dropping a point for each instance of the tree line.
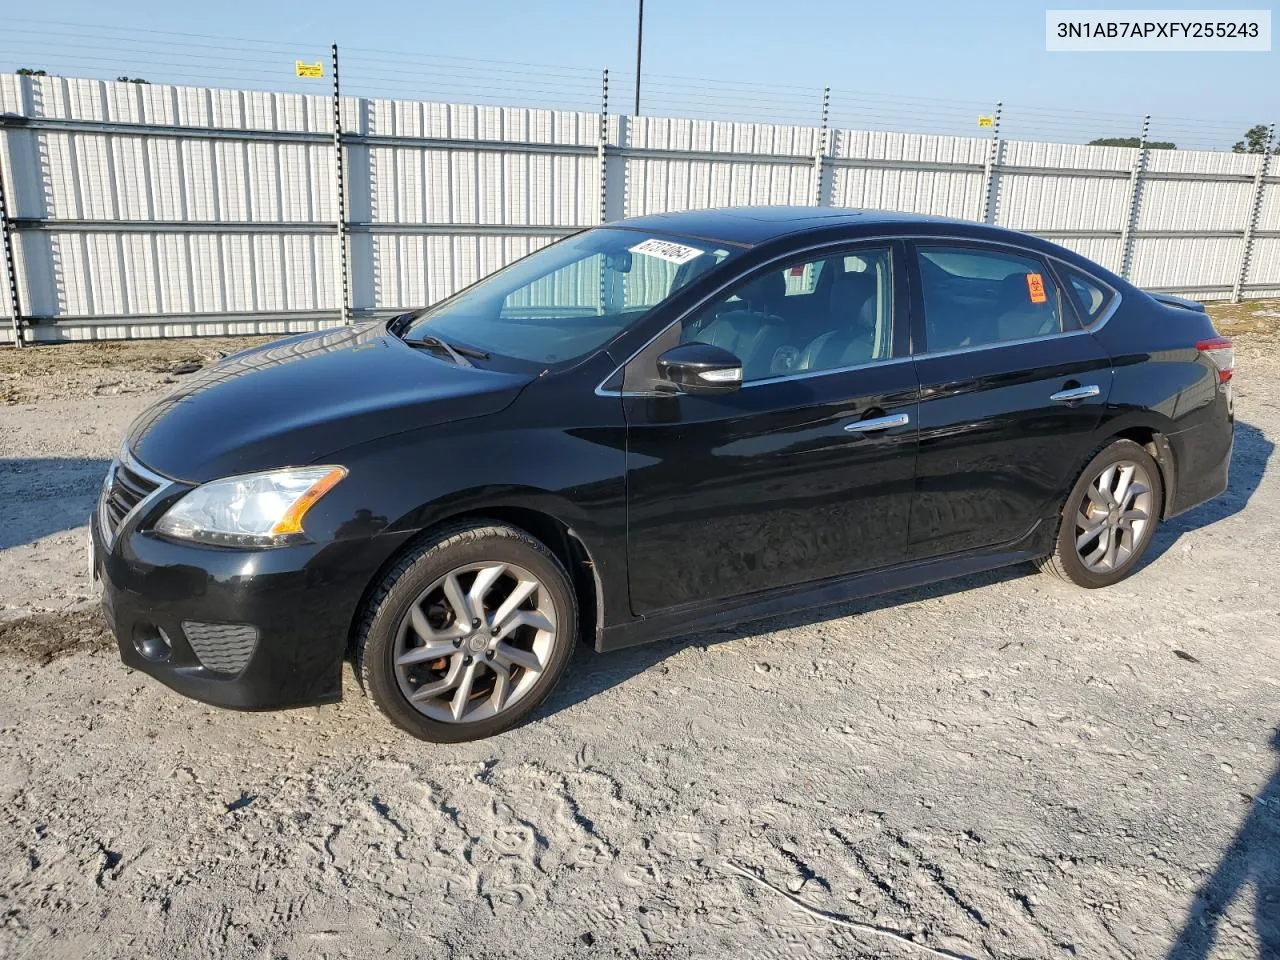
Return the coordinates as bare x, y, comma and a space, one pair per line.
1255, 141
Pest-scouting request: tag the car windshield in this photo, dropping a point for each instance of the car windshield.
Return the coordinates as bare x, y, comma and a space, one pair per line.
565, 300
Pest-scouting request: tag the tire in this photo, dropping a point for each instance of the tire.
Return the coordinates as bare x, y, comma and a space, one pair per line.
1087, 509
415, 695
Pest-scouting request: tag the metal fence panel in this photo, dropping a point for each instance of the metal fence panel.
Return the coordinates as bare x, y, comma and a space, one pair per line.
1269, 212
1187, 266
762, 164
145, 209
1264, 267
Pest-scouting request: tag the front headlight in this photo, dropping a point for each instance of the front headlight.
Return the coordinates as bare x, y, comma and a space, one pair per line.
254, 510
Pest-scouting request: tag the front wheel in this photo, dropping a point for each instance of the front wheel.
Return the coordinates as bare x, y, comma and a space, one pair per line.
1109, 518
468, 633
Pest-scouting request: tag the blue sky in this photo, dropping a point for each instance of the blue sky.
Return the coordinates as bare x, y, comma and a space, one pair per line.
904, 63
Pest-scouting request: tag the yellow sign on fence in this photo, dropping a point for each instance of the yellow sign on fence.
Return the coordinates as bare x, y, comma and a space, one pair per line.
313, 70
986, 121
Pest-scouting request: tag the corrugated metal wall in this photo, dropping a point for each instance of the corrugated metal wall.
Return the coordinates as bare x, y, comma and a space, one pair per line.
146, 210
919, 173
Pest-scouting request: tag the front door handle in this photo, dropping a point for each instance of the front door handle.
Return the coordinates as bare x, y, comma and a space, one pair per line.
1076, 393
878, 423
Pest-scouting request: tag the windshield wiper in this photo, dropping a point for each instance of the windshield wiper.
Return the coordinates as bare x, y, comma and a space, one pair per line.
458, 353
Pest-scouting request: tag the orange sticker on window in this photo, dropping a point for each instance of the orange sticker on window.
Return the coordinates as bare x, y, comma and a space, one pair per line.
1035, 287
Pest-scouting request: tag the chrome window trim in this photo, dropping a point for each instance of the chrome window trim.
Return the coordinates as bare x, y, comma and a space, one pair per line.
126, 459
1094, 327
806, 374
995, 344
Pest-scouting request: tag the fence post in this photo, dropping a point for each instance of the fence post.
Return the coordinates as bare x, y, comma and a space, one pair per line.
339, 168
820, 154
990, 170
604, 143
603, 140
10, 264
1135, 197
1255, 211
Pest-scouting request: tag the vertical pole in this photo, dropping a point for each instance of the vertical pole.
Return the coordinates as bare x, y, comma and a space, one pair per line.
604, 142
639, 50
990, 169
1135, 196
339, 168
604, 175
1255, 211
820, 155
10, 264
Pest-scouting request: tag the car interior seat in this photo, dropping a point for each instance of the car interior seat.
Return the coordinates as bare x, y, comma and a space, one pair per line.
1018, 317
752, 329
853, 302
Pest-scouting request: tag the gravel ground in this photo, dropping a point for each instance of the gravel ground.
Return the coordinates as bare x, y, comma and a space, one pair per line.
1002, 766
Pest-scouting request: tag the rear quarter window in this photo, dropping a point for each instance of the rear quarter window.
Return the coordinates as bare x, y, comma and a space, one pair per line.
1091, 297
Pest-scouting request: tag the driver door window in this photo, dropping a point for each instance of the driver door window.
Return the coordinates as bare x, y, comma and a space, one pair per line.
804, 316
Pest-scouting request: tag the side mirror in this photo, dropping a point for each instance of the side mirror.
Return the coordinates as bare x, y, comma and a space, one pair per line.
700, 368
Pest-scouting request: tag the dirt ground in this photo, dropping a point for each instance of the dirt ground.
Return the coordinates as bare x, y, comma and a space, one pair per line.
1002, 766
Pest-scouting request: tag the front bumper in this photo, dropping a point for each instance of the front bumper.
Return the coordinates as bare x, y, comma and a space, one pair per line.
299, 601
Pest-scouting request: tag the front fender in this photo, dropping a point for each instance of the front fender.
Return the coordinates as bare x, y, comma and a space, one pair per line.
411, 482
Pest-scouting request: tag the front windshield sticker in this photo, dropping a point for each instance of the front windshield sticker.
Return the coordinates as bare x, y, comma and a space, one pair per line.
666, 250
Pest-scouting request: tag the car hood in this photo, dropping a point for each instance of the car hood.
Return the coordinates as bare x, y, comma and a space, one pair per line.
293, 401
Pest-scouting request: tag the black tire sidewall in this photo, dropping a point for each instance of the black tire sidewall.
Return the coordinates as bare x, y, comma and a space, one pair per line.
481, 543
1067, 556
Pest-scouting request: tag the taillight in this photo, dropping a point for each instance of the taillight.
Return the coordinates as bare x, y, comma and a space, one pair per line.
1222, 353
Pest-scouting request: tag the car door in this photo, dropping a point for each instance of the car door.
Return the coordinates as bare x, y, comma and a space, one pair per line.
1011, 392
803, 473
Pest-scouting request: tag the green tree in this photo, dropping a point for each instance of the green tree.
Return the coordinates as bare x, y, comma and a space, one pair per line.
28, 72
1132, 142
132, 80
1255, 141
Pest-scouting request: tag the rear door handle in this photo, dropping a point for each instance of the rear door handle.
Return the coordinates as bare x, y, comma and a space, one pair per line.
878, 423
1076, 393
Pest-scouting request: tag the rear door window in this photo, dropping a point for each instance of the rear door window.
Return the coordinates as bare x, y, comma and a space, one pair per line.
975, 296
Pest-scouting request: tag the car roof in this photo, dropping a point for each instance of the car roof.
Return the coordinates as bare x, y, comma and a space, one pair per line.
748, 226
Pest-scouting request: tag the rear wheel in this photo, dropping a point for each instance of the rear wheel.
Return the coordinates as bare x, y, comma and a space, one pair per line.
1109, 518
468, 633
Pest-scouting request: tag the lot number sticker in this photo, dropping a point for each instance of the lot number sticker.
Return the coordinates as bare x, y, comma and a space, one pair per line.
666, 250
1035, 287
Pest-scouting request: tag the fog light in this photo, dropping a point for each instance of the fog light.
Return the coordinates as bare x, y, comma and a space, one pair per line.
222, 647
152, 644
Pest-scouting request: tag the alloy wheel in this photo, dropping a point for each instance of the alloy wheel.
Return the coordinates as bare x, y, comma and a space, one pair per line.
1114, 516
475, 642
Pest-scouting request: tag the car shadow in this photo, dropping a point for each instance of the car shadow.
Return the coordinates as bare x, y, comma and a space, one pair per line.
1251, 859
590, 674
40, 496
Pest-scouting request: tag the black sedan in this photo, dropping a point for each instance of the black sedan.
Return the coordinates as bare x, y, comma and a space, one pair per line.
645, 430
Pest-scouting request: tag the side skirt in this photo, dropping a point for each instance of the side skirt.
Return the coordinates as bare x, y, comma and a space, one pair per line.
1037, 542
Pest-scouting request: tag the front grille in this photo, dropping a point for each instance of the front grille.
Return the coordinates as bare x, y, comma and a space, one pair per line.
126, 486
222, 647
